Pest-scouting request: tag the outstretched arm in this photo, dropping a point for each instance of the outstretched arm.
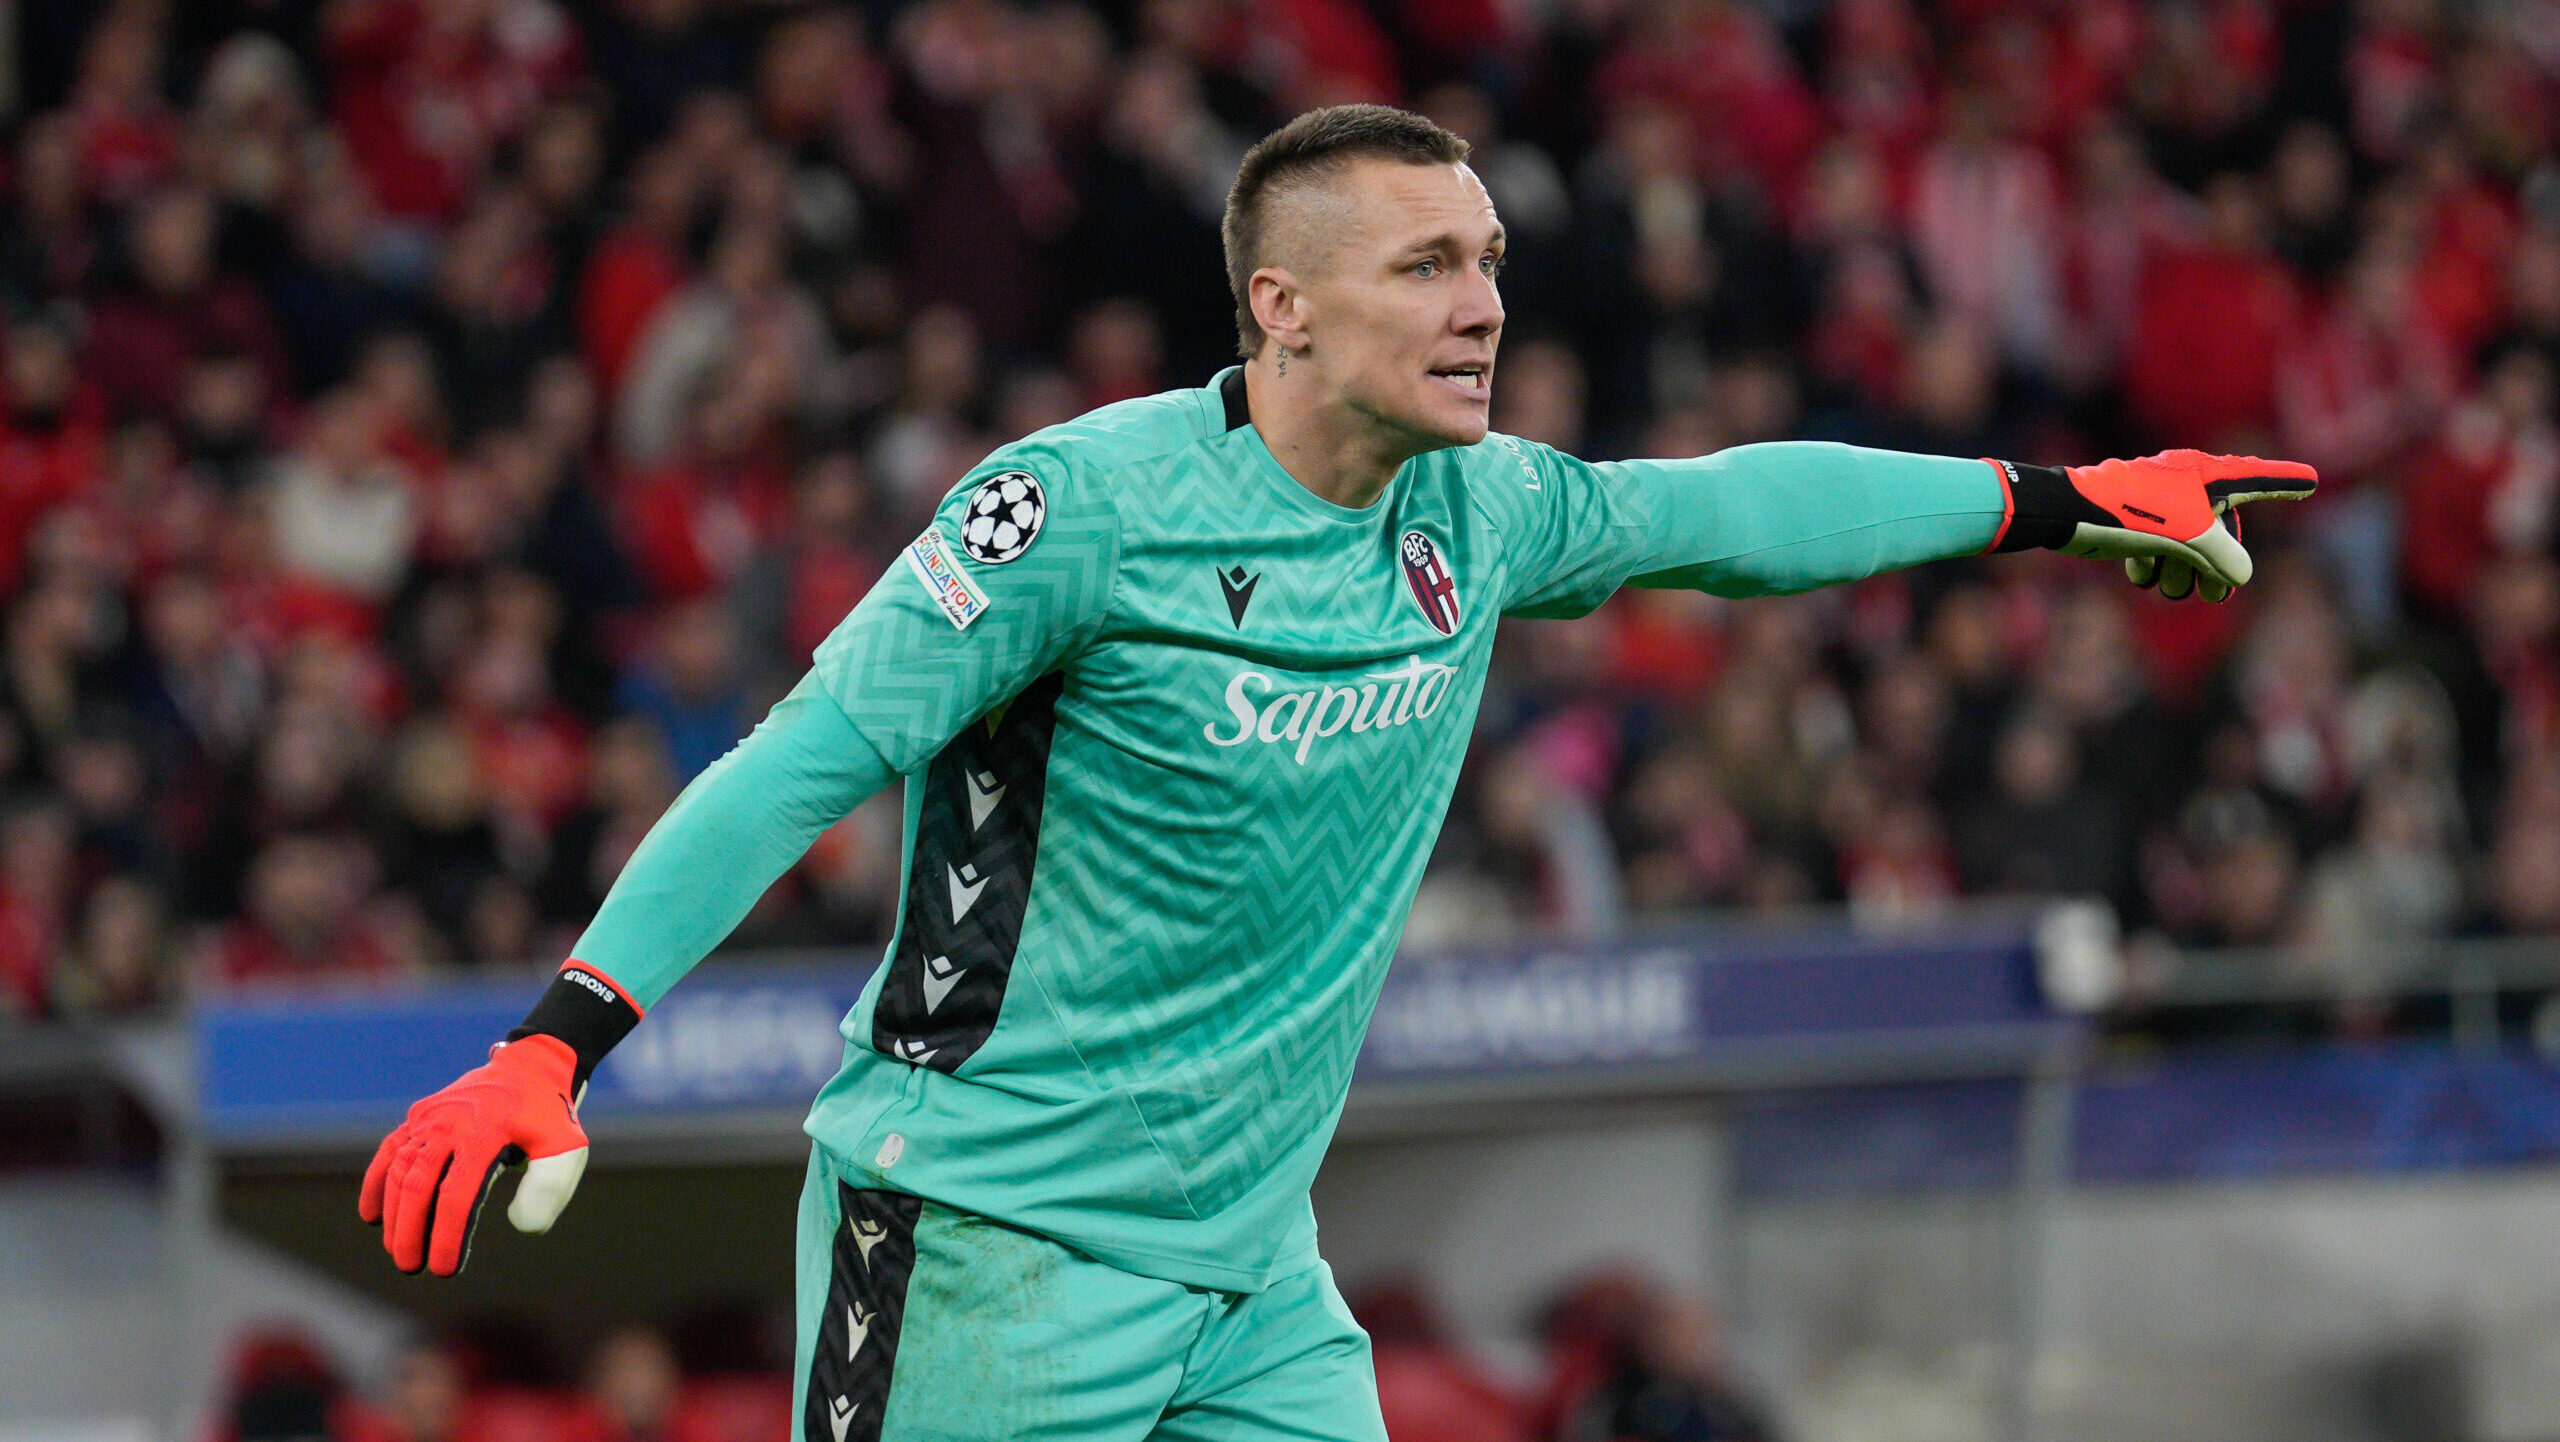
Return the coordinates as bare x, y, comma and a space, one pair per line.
1787, 516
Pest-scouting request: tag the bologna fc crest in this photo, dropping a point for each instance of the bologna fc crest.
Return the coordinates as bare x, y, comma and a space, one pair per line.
1435, 590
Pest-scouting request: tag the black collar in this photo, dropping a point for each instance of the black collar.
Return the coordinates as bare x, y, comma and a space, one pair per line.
1232, 391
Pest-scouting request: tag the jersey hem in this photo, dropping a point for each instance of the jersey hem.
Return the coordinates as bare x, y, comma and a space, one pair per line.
1180, 1268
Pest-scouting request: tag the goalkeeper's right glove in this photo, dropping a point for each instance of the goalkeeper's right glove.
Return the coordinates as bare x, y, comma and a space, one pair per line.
2169, 517
430, 1177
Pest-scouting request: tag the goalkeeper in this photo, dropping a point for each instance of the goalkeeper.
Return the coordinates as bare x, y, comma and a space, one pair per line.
1180, 690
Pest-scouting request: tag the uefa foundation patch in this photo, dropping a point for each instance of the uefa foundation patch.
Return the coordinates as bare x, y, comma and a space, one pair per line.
958, 596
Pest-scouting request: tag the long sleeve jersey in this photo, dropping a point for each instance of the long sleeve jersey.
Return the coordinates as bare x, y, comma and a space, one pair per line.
1178, 737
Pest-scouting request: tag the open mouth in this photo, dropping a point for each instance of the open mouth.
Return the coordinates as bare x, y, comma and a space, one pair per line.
1472, 377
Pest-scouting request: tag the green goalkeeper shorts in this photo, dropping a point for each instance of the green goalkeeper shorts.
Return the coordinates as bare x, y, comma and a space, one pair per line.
920, 1322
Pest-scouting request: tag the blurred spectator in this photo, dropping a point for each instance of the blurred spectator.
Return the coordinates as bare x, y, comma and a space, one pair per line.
2041, 832
52, 441
800, 589
1629, 1360
629, 782
631, 1385
424, 94
442, 843
690, 688
638, 264
2524, 876
117, 962
1428, 1390
282, 1390
36, 837
2208, 325
422, 1401
744, 315
305, 917
2397, 879
174, 305
345, 515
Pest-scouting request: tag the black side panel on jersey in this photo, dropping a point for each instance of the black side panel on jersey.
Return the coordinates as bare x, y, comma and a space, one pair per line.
857, 1349
976, 834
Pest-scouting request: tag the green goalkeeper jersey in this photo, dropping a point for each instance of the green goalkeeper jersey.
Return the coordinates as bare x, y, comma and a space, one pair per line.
1179, 736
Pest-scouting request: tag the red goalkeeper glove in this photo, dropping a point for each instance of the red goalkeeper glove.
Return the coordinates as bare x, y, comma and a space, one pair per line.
430, 1177
2168, 517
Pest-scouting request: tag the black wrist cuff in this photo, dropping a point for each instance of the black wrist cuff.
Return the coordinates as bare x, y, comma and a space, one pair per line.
585, 1009
2045, 509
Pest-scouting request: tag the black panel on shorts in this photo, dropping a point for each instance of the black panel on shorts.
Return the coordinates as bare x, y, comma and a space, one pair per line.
857, 1349
970, 883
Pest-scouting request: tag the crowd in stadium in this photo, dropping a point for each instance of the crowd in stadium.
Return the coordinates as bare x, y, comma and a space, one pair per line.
1621, 1359
432, 432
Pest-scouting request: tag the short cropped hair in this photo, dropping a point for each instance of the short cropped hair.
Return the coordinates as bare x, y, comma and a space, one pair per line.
1316, 146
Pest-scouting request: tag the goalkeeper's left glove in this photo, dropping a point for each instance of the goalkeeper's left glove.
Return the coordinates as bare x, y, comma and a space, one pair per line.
2169, 517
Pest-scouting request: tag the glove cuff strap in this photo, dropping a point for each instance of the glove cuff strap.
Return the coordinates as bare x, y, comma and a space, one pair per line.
584, 1008
2045, 509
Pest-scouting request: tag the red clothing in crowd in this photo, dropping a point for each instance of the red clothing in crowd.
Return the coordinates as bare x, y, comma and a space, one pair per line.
691, 527
535, 766
2352, 393
2461, 279
732, 1409
1429, 1394
825, 583
40, 470
2207, 329
632, 274
423, 101
715, 1409
2476, 464
1730, 72
124, 148
139, 344
1325, 51
244, 950
28, 936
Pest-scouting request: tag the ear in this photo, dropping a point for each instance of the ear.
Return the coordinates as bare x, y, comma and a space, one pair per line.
1279, 303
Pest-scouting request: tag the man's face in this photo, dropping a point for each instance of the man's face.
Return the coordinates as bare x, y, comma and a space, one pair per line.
1402, 311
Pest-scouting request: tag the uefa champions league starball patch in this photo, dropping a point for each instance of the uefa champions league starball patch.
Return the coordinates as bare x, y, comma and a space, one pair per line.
1003, 517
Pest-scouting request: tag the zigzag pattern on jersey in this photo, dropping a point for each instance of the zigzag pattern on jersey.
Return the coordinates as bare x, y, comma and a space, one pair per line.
910, 679
1248, 913
1266, 973
969, 879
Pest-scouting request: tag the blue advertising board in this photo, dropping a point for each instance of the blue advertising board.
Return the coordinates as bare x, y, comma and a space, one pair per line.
763, 1036
735, 1036
1494, 1010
